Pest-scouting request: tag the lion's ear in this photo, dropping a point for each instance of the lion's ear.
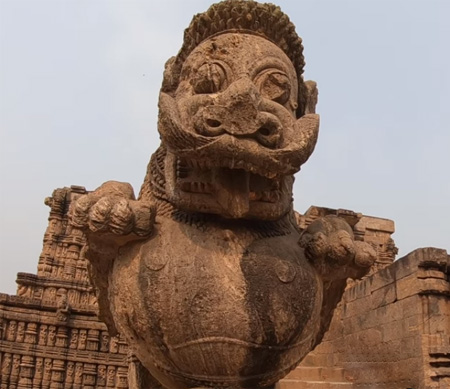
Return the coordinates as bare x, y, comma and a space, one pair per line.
171, 76
312, 96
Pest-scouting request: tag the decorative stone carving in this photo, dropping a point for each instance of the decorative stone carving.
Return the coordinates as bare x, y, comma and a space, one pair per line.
61, 336
70, 372
101, 375
38, 372
48, 364
43, 332
104, 345
73, 338
58, 372
122, 377
30, 333
12, 331
26, 373
51, 339
20, 332
92, 340
254, 293
78, 374
38, 346
111, 377
63, 310
6, 364
113, 346
24, 291
82, 339
15, 370
89, 376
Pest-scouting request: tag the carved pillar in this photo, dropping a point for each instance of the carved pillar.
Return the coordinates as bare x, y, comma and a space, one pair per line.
47, 376
104, 344
15, 370
84, 299
30, 333
89, 375
82, 339
70, 374
51, 339
6, 370
61, 337
58, 371
122, 378
111, 377
78, 381
113, 345
73, 338
70, 266
20, 332
92, 340
73, 297
2, 331
12, 331
43, 332
101, 376
26, 373
38, 373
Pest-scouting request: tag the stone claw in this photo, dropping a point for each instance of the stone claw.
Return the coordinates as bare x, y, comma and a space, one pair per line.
330, 246
112, 210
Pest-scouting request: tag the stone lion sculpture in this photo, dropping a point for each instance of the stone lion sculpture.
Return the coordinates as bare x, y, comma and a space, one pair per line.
207, 274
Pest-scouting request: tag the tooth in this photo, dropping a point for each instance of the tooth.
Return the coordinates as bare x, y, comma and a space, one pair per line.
186, 187
277, 195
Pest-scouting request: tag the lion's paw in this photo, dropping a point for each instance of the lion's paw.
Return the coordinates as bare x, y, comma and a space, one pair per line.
112, 210
330, 246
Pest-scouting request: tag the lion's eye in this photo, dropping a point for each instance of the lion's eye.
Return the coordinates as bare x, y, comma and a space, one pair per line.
209, 78
274, 85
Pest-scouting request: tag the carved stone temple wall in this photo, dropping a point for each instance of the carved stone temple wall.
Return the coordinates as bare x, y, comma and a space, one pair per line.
50, 336
391, 330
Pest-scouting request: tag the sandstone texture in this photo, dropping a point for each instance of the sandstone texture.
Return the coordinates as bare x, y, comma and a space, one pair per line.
209, 278
207, 274
50, 336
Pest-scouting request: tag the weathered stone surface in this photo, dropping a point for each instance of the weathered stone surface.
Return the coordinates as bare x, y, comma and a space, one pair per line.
207, 274
210, 275
391, 330
49, 333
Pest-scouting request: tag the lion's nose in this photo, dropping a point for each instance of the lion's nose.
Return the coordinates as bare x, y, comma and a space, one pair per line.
236, 112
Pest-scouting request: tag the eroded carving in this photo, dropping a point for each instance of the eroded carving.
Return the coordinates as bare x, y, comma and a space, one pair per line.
12, 331
40, 326
226, 289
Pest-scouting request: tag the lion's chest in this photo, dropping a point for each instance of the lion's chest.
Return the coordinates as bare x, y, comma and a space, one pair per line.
216, 292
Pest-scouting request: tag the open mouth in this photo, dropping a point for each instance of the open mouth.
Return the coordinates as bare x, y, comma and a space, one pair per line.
230, 189
196, 176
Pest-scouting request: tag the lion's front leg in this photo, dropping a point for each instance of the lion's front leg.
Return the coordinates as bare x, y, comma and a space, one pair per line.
330, 247
110, 217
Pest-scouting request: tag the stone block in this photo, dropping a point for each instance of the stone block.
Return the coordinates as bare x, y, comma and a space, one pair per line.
359, 290
380, 279
356, 307
384, 296
407, 286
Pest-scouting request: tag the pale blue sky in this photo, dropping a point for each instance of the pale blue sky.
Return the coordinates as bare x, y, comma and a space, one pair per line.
79, 82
